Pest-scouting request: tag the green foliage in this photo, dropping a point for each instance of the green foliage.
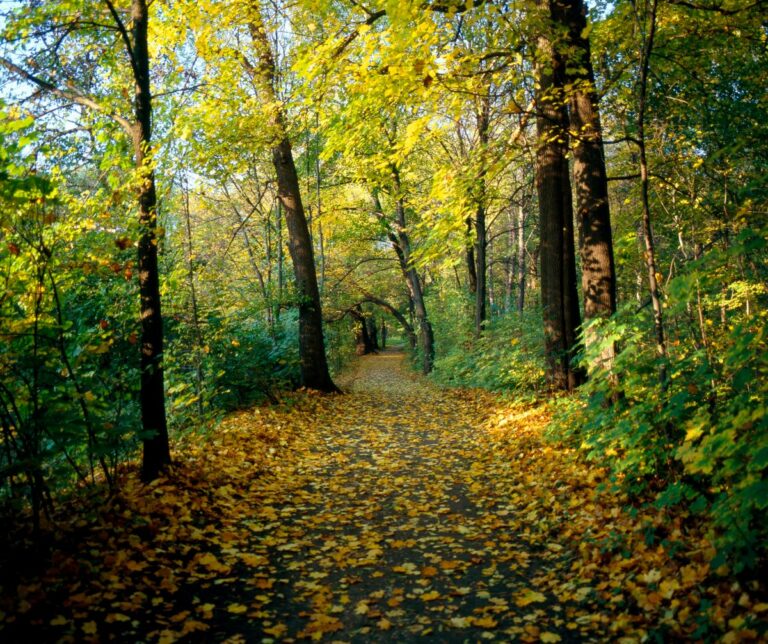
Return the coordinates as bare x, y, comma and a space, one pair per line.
700, 441
508, 356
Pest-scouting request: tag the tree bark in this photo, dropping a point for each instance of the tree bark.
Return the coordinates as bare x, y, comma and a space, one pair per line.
413, 281
156, 454
469, 255
401, 244
521, 270
558, 274
598, 270
647, 230
314, 365
481, 238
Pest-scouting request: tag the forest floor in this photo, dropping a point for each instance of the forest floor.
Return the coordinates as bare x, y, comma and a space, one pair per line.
398, 512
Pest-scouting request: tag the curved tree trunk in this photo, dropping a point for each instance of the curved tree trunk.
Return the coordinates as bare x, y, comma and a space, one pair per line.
314, 365
413, 281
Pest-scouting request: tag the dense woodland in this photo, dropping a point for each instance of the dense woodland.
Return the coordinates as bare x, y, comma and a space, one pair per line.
207, 204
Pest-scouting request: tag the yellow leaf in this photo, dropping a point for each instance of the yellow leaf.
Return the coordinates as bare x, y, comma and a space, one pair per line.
278, 630
362, 608
236, 609
529, 597
485, 622
384, 624
430, 596
117, 617
59, 620
459, 622
549, 637
89, 628
192, 625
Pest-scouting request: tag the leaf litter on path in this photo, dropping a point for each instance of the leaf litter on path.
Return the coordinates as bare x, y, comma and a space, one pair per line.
399, 512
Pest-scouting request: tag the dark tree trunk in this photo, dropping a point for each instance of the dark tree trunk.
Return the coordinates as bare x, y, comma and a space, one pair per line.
363, 344
481, 237
152, 395
383, 334
373, 332
314, 365
590, 177
470, 257
558, 286
598, 271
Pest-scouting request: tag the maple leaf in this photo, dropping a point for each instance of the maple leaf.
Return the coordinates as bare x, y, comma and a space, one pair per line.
236, 609
430, 596
384, 624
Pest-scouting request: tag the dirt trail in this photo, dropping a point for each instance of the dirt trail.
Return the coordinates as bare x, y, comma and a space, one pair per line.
394, 532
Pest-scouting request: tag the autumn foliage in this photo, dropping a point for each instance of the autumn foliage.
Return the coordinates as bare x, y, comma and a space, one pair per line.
399, 510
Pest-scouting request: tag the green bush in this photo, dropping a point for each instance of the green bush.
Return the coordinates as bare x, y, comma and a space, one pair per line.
700, 440
508, 356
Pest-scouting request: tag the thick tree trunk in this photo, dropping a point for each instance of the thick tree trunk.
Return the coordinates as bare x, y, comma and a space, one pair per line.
363, 342
152, 395
314, 365
598, 271
590, 177
558, 286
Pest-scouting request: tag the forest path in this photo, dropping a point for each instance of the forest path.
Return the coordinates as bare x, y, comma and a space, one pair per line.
398, 512
401, 529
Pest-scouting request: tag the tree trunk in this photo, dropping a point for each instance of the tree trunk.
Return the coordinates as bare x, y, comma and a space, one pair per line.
401, 244
152, 395
650, 252
558, 285
521, 270
314, 366
373, 333
470, 257
414, 283
196, 326
383, 334
481, 235
598, 279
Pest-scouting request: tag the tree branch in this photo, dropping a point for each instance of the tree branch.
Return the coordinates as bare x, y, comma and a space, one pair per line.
125, 36
68, 94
